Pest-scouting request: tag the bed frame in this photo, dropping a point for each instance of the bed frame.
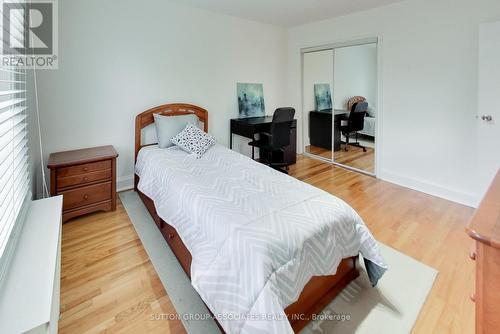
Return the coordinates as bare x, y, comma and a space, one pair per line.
317, 293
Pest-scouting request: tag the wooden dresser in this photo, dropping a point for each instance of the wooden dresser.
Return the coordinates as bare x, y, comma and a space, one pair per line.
86, 178
484, 228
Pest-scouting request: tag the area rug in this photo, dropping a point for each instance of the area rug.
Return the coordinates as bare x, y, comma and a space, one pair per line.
391, 307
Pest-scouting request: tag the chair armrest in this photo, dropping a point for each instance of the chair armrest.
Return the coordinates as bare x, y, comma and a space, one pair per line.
267, 134
262, 135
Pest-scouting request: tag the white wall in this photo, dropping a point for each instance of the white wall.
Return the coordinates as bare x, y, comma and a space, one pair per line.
119, 58
318, 69
428, 59
355, 73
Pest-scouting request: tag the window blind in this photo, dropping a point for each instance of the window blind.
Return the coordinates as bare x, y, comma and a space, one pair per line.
14, 163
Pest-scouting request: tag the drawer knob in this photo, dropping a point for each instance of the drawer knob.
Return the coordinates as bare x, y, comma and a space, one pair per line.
85, 196
472, 255
473, 297
171, 235
85, 179
85, 169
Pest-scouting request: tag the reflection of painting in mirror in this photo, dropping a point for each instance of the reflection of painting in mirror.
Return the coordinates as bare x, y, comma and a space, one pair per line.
250, 99
323, 96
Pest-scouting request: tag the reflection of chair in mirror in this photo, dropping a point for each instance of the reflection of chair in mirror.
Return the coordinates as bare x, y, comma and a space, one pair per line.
355, 123
276, 139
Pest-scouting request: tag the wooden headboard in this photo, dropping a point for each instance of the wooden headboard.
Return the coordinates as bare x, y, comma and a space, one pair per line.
175, 109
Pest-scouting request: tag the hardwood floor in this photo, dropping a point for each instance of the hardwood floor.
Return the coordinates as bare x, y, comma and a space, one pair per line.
354, 157
109, 284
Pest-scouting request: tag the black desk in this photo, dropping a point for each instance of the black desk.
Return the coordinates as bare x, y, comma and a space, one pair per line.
320, 128
248, 127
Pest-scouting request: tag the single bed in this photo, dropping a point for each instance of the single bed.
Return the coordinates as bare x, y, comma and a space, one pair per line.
255, 242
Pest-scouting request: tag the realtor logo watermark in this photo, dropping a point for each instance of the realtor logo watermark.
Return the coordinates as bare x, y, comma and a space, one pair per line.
29, 34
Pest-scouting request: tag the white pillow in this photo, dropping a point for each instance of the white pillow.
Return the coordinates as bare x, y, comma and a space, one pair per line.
169, 126
193, 140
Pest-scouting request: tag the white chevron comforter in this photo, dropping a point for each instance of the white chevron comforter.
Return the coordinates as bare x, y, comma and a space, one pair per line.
256, 235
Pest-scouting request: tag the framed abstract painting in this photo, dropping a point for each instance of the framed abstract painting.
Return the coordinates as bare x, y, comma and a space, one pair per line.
322, 96
250, 99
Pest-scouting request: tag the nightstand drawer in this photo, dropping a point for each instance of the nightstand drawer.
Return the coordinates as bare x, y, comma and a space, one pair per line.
70, 181
83, 169
86, 195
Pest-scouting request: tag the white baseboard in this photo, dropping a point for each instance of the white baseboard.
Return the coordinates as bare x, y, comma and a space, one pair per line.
124, 183
454, 195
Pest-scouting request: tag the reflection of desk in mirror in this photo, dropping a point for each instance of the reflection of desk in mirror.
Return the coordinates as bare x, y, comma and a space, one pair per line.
248, 127
320, 128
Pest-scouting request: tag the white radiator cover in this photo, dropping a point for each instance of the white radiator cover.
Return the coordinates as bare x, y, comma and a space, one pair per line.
30, 294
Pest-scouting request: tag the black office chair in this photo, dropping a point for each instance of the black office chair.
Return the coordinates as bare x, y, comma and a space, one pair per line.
276, 139
355, 123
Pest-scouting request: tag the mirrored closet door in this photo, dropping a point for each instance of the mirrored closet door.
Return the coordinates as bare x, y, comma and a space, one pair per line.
355, 94
317, 103
339, 90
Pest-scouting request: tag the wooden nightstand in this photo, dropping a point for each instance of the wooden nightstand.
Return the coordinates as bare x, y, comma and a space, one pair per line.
86, 178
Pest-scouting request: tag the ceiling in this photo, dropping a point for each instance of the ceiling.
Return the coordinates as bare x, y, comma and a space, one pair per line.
286, 13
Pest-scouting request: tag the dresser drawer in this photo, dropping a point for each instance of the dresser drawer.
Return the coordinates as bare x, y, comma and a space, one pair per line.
86, 195
83, 169
81, 179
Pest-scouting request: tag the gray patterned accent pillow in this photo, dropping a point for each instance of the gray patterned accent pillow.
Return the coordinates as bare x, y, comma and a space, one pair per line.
193, 140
